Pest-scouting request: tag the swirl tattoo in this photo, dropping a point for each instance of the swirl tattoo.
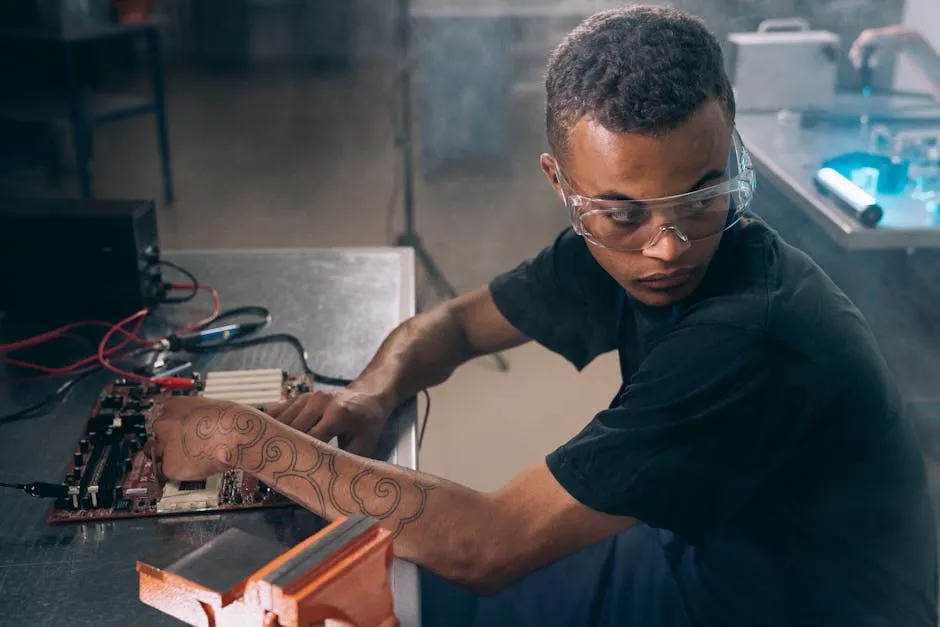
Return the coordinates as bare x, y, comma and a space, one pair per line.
363, 490
383, 488
242, 428
272, 452
390, 492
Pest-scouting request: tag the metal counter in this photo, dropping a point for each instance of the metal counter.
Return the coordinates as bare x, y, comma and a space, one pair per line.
789, 156
340, 303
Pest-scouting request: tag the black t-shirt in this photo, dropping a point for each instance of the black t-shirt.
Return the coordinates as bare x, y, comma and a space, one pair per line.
758, 428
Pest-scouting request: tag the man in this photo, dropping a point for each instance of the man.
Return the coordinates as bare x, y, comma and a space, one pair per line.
753, 469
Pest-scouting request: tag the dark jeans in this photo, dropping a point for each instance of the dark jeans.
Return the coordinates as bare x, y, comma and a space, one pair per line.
624, 580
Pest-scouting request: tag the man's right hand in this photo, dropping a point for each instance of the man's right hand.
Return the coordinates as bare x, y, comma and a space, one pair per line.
420, 353
357, 418
878, 41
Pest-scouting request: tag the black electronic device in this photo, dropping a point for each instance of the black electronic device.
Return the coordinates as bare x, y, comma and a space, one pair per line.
63, 260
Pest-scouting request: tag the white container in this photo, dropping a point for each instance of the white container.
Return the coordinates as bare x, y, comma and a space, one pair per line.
784, 65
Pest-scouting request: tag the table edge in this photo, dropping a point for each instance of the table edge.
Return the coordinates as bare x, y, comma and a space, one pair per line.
837, 225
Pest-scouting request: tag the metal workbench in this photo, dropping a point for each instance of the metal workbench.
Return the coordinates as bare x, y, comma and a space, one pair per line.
339, 303
787, 156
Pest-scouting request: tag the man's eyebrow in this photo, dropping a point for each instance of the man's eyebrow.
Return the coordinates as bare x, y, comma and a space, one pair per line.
709, 176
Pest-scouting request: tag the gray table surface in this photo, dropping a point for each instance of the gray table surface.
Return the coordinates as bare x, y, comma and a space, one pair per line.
788, 157
339, 303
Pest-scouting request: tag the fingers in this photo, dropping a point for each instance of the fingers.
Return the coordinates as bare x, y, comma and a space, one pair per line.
276, 410
289, 413
865, 45
860, 50
328, 428
302, 412
855, 55
312, 412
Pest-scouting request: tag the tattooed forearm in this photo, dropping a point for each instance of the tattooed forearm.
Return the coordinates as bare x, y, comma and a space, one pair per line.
222, 434
326, 480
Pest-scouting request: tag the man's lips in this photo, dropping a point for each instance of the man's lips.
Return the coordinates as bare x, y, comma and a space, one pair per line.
667, 280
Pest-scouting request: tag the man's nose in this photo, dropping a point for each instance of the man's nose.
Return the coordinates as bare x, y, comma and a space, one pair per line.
668, 244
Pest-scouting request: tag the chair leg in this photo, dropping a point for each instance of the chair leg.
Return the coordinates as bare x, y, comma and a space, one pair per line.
52, 155
80, 131
155, 58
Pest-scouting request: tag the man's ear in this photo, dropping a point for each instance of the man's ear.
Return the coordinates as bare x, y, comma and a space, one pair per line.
550, 167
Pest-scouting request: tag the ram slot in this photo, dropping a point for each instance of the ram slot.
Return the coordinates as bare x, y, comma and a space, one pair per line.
112, 471
90, 467
106, 465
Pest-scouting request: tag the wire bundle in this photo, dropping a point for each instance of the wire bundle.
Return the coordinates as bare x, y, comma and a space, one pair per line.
132, 345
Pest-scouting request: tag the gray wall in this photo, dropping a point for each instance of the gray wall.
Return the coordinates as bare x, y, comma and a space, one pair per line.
375, 19
373, 30
923, 15
284, 31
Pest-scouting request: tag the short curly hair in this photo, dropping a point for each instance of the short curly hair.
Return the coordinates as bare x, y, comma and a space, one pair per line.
637, 69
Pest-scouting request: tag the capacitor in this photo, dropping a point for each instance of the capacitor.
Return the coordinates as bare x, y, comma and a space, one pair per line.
79, 459
118, 494
128, 464
85, 502
83, 445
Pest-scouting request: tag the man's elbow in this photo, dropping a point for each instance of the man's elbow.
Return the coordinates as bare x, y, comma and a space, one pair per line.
491, 583
480, 566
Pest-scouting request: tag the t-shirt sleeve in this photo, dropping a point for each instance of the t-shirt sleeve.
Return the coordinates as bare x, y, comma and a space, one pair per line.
711, 413
562, 299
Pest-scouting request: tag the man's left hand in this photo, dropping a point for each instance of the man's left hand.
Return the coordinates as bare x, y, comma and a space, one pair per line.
182, 446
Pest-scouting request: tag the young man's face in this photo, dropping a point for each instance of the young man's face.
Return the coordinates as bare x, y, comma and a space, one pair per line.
602, 164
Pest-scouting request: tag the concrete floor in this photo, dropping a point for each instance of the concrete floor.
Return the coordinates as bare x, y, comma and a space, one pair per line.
288, 159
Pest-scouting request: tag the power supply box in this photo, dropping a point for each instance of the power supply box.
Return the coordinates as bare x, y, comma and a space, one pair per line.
68, 260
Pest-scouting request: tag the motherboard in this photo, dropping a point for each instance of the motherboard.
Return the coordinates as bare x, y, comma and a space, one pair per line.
111, 476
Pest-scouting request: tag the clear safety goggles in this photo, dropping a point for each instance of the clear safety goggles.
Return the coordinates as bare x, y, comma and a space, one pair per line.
632, 225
